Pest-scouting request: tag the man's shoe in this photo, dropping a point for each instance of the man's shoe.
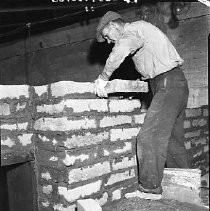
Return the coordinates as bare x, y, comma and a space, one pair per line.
158, 190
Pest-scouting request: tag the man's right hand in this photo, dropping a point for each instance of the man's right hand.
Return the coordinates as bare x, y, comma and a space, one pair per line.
100, 87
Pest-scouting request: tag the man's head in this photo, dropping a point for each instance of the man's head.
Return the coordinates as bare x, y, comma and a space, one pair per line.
110, 27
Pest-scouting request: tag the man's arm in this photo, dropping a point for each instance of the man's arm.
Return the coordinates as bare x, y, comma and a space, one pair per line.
128, 44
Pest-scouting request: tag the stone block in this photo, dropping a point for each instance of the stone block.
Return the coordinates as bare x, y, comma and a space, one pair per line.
88, 205
182, 185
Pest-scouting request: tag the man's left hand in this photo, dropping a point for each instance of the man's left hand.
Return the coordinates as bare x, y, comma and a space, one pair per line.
100, 87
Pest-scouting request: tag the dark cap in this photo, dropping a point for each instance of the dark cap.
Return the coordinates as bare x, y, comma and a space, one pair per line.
108, 17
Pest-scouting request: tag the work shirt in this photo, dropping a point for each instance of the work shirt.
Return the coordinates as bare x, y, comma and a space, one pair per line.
151, 51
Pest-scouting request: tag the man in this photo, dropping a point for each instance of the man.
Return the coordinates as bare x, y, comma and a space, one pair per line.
161, 138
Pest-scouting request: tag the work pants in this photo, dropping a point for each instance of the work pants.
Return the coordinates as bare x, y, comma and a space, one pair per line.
161, 138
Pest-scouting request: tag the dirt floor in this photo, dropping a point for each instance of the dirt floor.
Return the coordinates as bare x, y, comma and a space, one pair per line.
136, 204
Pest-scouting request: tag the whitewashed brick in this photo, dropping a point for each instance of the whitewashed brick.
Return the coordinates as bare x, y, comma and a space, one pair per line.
82, 105
47, 189
188, 145
206, 148
46, 203
115, 120
187, 124
77, 106
121, 176
20, 106
116, 194
4, 109
123, 134
199, 122
106, 152
70, 160
81, 191
25, 139
201, 141
53, 158
40, 90
13, 91
126, 162
88, 205
123, 105
197, 97
192, 134
60, 207
139, 119
126, 148
63, 124
205, 112
19, 126
8, 142
89, 172
85, 140
103, 200
70, 87
46, 176
193, 112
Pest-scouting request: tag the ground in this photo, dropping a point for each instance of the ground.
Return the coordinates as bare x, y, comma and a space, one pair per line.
136, 204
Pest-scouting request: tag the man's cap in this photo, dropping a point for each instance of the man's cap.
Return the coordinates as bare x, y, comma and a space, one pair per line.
109, 16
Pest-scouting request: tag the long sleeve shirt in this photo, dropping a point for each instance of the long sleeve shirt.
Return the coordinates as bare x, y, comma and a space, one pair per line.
151, 51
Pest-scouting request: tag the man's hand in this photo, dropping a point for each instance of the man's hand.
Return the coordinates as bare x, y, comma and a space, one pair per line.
100, 87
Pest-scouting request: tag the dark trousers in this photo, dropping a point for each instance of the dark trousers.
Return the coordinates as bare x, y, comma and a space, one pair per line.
161, 138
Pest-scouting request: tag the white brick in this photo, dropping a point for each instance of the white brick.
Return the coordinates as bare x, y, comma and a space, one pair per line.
63, 124
40, 90
82, 105
201, 141
113, 121
13, 91
126, 162
197, 97
199, 122
4, 109
89, 172
53, 158
139, 119
47, 189
70, 160
123, 134
8, 142
70, 87
188, 145
88, 205
85, 140
20, 106
126, 148
103, 199
46, 176
77, 106
121, 176
193, 134
46, 203
116, 195
25, 139
206, 148
60, 207
19, 126
81, 191
187, 124
124, 105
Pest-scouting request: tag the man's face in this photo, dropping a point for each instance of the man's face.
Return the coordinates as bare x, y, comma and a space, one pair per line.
111, 33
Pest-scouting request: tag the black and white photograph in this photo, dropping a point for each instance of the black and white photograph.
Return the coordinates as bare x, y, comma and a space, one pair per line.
104, 105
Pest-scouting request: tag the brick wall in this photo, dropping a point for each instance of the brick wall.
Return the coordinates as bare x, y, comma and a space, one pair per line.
83, 146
